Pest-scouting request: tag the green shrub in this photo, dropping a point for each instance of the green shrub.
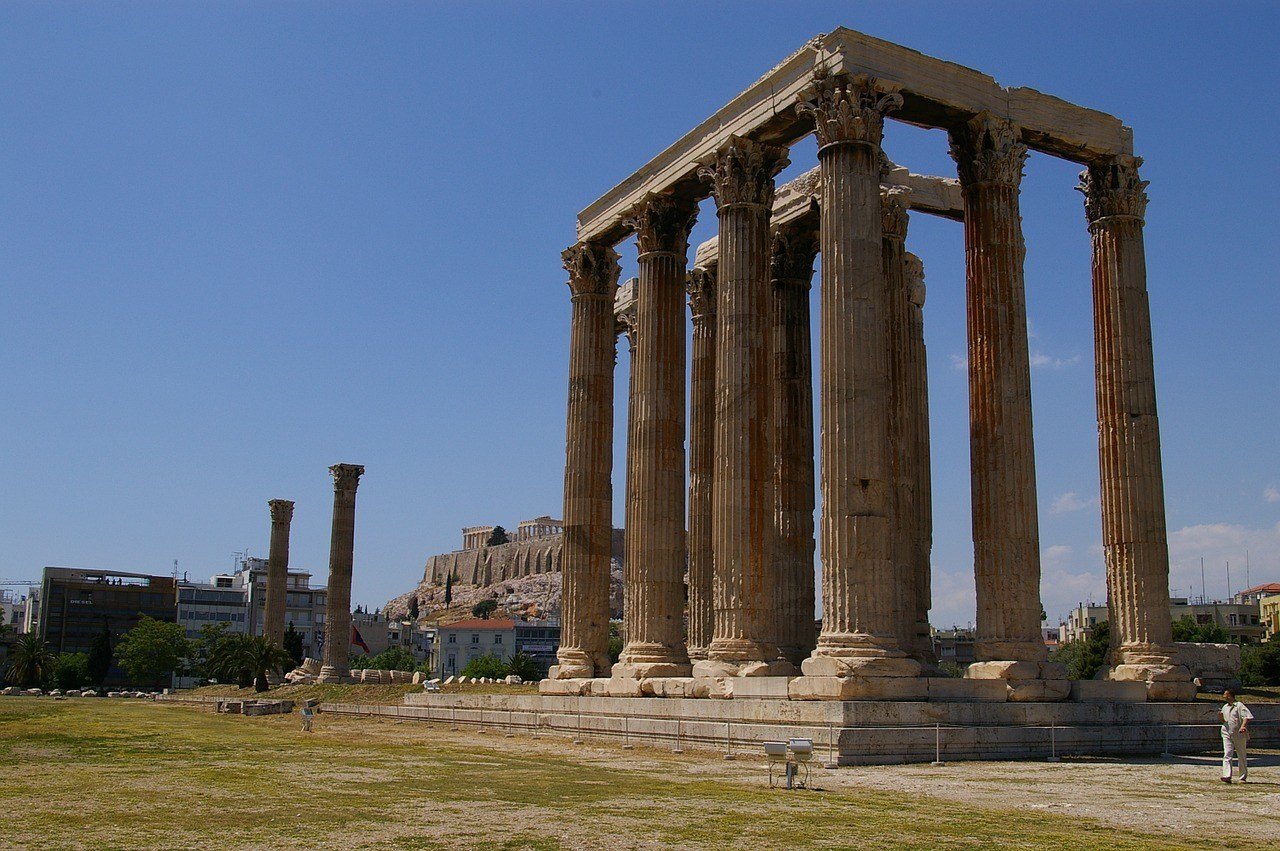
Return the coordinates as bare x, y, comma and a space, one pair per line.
486, 666
1260, 664
70, 670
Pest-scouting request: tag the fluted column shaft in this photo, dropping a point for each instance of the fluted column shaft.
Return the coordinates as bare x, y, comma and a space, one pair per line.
588, 492
273, 618
337, 627
1006, 534
702, 399
859, 622
1133, 517
654, 575
794, 250
903, 443
742, 499
627, 327
917, 376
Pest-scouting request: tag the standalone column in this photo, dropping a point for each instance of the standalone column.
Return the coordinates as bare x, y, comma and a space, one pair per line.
794, 249
337, 621
744, 640
702, 400
918, 405
903, 422
1006, 533
859, 624
273, 621
654, 612
1133, 519
588, 495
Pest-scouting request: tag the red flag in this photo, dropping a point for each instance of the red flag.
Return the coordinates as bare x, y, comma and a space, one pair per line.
357, 640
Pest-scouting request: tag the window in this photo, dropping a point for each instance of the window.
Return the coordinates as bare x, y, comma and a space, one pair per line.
453, 638
475, 638
497, 639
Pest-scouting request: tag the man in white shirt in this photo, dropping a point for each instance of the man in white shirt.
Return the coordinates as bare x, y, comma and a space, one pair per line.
1235, 736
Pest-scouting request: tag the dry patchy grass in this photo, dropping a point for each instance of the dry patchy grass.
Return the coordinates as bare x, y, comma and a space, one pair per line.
125, 774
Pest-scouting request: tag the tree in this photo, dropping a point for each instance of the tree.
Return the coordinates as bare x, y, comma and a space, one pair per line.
293, 645
30, 661
413, 608
70, 670
98, 663
484, 608
1084, 657
264, 657
393, 659
615, 643
1260, 664
498, 537
448, 589
152, 649
485, 666
524, 666
1186, 629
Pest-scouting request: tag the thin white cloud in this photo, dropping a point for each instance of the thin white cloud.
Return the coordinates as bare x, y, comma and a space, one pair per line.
959, 363
1041, 360
1271, 494
1067, 502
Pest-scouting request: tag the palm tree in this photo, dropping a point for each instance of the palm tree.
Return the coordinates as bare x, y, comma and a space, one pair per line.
265, 657
29, 661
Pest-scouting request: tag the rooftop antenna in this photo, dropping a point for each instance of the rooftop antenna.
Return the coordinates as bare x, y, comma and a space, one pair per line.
1248, 583
175, 569
1204, 595
1228, 580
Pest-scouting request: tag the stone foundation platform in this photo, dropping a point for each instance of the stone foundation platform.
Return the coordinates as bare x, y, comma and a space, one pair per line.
843, 732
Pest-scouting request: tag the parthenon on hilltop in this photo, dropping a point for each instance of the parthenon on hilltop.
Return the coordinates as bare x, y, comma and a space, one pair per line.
749, 542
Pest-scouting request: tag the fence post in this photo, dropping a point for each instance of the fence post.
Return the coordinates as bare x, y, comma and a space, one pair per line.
728, 740
511, 720
626, 733
1053, 742
937, 744
677, 748
453, 724
831, 748
578, 739
1167, 753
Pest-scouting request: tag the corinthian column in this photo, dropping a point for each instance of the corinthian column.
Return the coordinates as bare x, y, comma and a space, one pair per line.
337, 621
277, 570
1133, 518
588, 495
1006, 532
744, 641
903, 445
859, 622
793, 252
917, 377
654, 576
702, 400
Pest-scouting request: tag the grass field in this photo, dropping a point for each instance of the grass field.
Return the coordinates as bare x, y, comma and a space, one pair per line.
132, 774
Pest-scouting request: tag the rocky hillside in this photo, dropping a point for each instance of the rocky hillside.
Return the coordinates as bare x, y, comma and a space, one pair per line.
526, 597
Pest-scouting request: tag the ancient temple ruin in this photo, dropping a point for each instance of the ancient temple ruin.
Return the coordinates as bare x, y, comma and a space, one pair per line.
744, 526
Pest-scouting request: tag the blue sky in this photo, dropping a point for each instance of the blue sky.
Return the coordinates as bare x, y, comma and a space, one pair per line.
242, 242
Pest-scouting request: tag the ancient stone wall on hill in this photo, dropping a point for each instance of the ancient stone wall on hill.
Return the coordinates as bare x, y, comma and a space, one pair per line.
516, 560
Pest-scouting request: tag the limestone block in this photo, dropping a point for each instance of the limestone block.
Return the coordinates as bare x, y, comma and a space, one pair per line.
310, 666
1108, 691
1171, 692
1003, 671
1038, 691
513, 680
947, 689
713, 669
34, 692
463, 679
865, 667
11, 691
418, 677
858, 688
667, 687
1150, 673
766, 687
1210, 660
450, 680
565, 687
713, 687
620, 687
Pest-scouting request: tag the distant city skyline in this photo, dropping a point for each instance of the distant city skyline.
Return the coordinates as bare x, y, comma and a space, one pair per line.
243, 244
